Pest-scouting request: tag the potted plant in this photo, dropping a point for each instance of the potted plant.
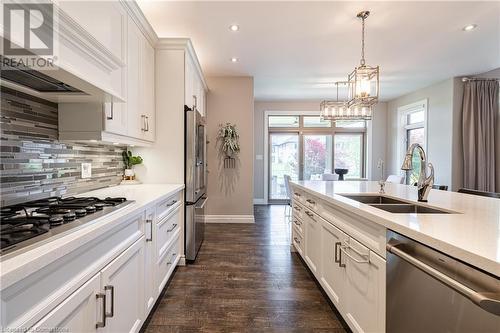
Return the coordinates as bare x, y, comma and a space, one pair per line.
129, 161
229, 140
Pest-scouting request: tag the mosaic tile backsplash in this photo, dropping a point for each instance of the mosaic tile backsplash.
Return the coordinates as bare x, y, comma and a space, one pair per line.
35, 165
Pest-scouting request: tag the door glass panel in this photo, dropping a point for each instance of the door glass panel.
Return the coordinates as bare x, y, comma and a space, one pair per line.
317, 156
316, 122
283, 121
414, 135
348, 154
283, 161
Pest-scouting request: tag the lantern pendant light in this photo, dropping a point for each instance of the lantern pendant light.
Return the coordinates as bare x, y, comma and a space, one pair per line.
364, 80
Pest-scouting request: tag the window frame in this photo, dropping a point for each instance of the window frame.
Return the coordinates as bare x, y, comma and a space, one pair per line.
302, 131
404, 127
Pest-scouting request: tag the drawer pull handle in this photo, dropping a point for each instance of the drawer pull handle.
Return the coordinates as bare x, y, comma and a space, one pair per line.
296, 208
112, 289
311, 201
172, 203
101, 323
296, 194
308, 213
296, 222
150, 239
366, 257
173, 227
296, 240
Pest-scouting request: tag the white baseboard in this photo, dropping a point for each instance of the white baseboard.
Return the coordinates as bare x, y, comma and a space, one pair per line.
259, 201
182, 261
229, 219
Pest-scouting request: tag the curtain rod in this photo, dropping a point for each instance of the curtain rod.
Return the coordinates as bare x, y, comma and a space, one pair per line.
465, 79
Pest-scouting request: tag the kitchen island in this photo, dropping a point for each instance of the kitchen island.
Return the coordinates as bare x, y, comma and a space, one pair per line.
341, 229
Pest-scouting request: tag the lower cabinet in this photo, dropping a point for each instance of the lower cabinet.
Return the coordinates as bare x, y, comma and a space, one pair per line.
122, 281
352, 275
332, 273
150, 292
78, 313
312, 243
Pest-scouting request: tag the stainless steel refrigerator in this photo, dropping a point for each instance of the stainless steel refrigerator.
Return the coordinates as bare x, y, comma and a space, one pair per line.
195, 180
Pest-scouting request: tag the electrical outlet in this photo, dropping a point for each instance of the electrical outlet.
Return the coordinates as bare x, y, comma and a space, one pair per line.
86, 170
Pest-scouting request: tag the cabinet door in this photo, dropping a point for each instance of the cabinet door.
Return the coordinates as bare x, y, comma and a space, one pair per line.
115, 118
76, 314
149, 262
148, 88
332, 274
123, 282
313, 241
189, 82
136, 119
365, 281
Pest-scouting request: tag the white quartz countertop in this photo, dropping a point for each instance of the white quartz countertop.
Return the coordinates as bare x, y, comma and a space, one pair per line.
471, 235
17, 265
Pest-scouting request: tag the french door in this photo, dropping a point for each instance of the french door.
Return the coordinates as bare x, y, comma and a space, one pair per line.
308, 155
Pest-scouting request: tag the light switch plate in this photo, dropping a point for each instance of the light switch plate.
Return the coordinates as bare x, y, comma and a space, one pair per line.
86, 170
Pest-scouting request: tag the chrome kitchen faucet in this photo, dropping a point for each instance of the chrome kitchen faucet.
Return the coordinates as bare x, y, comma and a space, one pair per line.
424, 183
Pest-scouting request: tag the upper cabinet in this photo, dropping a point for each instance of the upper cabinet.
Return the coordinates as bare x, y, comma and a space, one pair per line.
194, 86
131, 121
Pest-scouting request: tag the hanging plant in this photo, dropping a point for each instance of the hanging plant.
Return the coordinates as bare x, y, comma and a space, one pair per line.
228, 139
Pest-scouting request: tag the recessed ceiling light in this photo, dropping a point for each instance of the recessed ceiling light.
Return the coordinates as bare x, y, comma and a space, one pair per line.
234, 59
234, 27
469, 27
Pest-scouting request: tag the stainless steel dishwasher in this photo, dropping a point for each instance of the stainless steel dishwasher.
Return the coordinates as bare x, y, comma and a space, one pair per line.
428, 291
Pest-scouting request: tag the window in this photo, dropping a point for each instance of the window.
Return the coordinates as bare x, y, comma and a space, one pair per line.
413, 130
283, 121
306, 147
316, 122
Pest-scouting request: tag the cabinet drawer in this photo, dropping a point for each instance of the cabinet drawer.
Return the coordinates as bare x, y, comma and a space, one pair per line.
298, 241
167, 263
167, 205
298, 225
298, 195
165, 229
297, 210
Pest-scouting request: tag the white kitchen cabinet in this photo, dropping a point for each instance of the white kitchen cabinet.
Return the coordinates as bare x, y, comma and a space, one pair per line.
123, 282
78, 313
332, 273
313, 241
364, 305
189, 82
147, 86
150, 292
136, 120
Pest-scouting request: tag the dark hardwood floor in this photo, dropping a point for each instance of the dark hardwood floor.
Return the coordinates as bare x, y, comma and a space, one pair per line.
245, 280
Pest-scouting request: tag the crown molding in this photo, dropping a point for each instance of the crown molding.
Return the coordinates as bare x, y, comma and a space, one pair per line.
186, 45
137, 15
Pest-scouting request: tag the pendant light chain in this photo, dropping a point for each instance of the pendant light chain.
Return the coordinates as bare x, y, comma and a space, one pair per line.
363, 42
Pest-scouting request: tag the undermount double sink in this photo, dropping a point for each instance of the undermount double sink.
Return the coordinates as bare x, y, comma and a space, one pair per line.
394, 205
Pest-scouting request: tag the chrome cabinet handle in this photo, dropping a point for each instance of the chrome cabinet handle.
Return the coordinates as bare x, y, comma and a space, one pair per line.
110, 117
102, 323
296, 240
195, 102
150, 239
311, 201
173, 227
488, 304
363, 261
174, 201
296, 222
339, 261
308, 213
143, 120
297, 208
296, 194
112, 289
147, 123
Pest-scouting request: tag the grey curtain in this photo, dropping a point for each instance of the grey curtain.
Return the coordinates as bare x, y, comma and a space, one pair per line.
479, 121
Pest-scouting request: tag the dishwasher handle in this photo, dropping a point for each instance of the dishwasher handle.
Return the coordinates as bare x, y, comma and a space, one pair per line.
483, 300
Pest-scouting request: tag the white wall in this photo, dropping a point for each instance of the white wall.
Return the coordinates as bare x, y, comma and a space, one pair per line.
439, 129
376, 137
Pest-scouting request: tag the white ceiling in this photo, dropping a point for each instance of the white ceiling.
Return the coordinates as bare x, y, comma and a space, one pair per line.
295, 50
